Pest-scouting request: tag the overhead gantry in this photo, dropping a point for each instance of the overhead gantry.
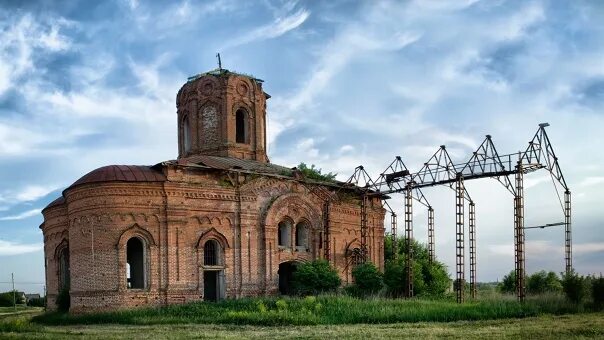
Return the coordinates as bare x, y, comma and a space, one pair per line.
440, 170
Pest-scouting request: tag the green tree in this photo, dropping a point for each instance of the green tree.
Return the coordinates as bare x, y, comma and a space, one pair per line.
314, 277
395, 277
575, 287
367, 280
597, 291
430, 278
508, 284
6, 298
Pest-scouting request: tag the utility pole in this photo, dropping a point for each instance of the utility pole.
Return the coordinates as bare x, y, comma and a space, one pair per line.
12, 277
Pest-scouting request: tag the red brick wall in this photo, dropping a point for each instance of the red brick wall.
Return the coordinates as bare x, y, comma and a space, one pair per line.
175, 218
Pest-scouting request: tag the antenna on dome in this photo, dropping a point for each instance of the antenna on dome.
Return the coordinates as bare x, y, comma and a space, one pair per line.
219, 62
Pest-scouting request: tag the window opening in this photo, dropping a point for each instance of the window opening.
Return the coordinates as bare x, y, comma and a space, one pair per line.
135, 263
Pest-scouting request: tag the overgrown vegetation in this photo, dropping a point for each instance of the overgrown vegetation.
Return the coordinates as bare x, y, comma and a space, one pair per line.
597, 291
429, 279
319, 310
367, 280
315, 173
576, 287
314, 277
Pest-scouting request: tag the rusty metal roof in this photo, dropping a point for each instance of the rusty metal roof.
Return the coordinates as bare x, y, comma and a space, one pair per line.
121, 173
56, 202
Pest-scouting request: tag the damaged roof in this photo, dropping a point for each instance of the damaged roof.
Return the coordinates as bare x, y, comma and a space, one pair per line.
228, 163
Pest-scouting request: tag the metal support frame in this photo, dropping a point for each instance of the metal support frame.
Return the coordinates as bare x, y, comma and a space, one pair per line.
409, 242
364, 228
519, 234
431, 246
472, 241
485, 162
459, 239
393, 231
568, 246
326, 232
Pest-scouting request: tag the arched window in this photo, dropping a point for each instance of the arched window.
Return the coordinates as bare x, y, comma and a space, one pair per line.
285, 233
241, 133
211, 253
186, 134
356, 257
135, 263
302, 235
64, 268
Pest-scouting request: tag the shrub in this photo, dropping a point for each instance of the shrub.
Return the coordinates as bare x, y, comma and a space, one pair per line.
315, 277
315, 173
430, 278
436, 278
508, 284
542, 282
63, 300
597, 291
367, 280
575, 287
395, 277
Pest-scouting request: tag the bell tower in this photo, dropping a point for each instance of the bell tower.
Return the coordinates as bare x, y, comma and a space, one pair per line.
222, 113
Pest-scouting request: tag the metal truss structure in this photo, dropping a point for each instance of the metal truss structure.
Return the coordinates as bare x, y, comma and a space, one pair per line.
440, 170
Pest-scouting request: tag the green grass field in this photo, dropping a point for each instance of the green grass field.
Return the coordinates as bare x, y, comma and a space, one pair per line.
324, 310
575, 326
319, 318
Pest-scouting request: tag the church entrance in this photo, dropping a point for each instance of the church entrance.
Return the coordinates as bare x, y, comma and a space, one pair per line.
212, 285
286, 276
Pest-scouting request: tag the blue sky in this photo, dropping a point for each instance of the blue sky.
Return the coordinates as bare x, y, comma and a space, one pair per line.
85, 84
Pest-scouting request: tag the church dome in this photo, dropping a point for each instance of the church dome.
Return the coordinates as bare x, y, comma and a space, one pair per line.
121, 173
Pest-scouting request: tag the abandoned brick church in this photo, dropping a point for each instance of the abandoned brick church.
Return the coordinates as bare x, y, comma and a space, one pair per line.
220, 221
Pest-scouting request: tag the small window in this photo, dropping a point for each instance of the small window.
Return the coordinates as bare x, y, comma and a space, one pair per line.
284, 232
186, 133
302, 235
210, 253
241, 126
135, 263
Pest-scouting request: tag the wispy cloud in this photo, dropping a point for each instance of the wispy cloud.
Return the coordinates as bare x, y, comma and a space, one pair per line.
27, 193
12, 248
23, 38
21, 216
275, 29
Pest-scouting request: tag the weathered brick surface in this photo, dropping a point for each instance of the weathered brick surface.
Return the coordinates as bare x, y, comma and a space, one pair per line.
175, 216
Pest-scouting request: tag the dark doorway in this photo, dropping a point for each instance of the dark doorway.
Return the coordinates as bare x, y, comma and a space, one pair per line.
135, 259
210, 285
286, 277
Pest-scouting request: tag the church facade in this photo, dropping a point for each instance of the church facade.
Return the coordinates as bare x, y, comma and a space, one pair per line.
218, 222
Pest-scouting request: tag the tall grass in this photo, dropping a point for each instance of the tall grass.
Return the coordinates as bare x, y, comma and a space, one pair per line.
320, 310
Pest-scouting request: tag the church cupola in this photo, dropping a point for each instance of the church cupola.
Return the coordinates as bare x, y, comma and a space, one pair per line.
222, 113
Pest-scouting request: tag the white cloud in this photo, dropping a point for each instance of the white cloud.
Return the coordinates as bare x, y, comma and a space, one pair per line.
8, 248
277, 28
589, 181
24, 38
21, 216
34, 192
